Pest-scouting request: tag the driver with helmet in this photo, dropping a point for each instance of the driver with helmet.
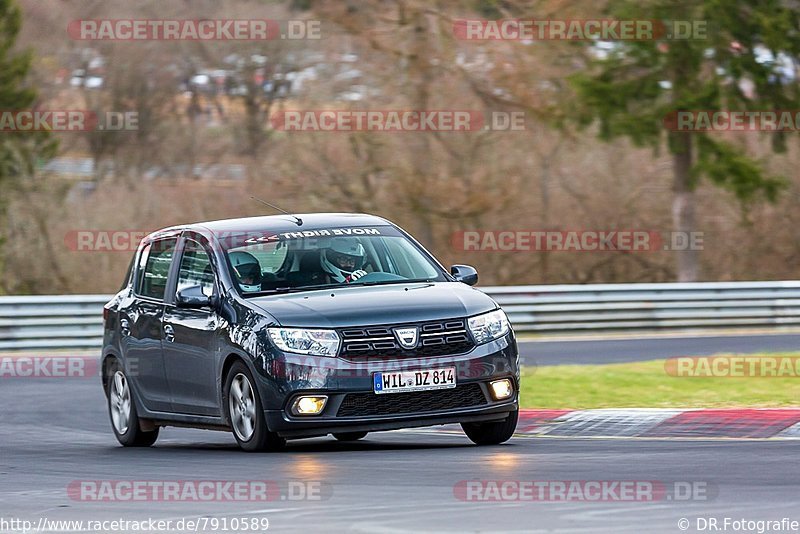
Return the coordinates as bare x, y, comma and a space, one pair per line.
343, 260
247, 269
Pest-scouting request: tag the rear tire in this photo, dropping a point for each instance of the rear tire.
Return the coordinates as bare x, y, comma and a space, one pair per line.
492, 433
245, 413
122, 410
349, 436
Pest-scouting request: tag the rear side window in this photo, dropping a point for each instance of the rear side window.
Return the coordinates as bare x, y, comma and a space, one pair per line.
154, 268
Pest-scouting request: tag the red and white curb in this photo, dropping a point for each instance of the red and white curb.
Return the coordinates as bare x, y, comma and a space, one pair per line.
741, 423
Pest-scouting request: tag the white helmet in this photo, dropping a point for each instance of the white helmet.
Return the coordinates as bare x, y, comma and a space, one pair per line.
247, 270
343, 259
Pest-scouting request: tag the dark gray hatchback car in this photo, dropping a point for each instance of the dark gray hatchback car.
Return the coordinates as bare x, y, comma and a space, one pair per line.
287, 327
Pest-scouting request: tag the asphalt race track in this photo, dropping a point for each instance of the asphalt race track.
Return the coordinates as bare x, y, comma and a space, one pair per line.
588, 351
55, 432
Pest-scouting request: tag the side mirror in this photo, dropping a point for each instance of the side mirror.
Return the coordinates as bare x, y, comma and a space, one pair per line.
192, 297
465, 274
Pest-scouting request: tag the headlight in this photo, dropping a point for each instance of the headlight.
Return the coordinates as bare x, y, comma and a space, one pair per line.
303, 341
489, 326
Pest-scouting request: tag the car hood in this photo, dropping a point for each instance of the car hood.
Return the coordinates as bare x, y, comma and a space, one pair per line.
375, 305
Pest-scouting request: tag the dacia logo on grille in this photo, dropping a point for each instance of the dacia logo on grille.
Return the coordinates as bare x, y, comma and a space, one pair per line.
407, 336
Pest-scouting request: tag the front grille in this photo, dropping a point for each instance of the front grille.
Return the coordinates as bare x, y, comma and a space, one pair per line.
436, 338
365, 404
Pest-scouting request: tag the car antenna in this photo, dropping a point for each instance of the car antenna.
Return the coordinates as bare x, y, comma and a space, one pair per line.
297, 219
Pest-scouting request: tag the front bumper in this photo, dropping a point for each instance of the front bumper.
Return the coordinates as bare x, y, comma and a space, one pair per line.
285, 376
320, 426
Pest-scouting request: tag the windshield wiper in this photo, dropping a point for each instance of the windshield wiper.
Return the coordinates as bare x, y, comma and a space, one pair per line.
288, 289
386, 282
281, 290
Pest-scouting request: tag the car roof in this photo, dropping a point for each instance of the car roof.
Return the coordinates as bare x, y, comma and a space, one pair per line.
279, 223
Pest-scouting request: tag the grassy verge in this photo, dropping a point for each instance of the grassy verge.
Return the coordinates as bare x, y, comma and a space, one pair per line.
647, 385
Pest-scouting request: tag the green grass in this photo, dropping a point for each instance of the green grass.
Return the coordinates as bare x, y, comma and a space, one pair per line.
647, 385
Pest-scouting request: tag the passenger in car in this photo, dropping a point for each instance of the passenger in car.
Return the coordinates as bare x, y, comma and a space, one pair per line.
247, 269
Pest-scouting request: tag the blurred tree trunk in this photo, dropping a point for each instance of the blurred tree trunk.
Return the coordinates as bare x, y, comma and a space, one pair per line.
419, 77
683, 200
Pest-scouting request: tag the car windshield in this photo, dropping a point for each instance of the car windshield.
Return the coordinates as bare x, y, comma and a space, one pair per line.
328, 257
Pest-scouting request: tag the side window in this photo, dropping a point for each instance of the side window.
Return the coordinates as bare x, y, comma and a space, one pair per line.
154, 268
137, 284
196, 268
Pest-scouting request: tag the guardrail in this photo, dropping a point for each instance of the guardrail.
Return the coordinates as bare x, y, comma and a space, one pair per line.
615, 307
75, 321
52, 322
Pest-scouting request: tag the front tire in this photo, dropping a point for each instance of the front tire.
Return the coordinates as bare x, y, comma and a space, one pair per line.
492, 433
245, 414
122, 411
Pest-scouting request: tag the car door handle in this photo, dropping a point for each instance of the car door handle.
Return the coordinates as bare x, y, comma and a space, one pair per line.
169, 333
125, 327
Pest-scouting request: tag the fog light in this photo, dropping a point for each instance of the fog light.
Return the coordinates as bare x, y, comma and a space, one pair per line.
311, 405
501, 389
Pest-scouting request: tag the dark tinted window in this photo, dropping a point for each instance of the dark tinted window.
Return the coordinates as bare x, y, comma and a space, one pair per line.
154, 268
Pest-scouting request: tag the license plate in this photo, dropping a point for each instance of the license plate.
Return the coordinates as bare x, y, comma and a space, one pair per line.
417, 380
